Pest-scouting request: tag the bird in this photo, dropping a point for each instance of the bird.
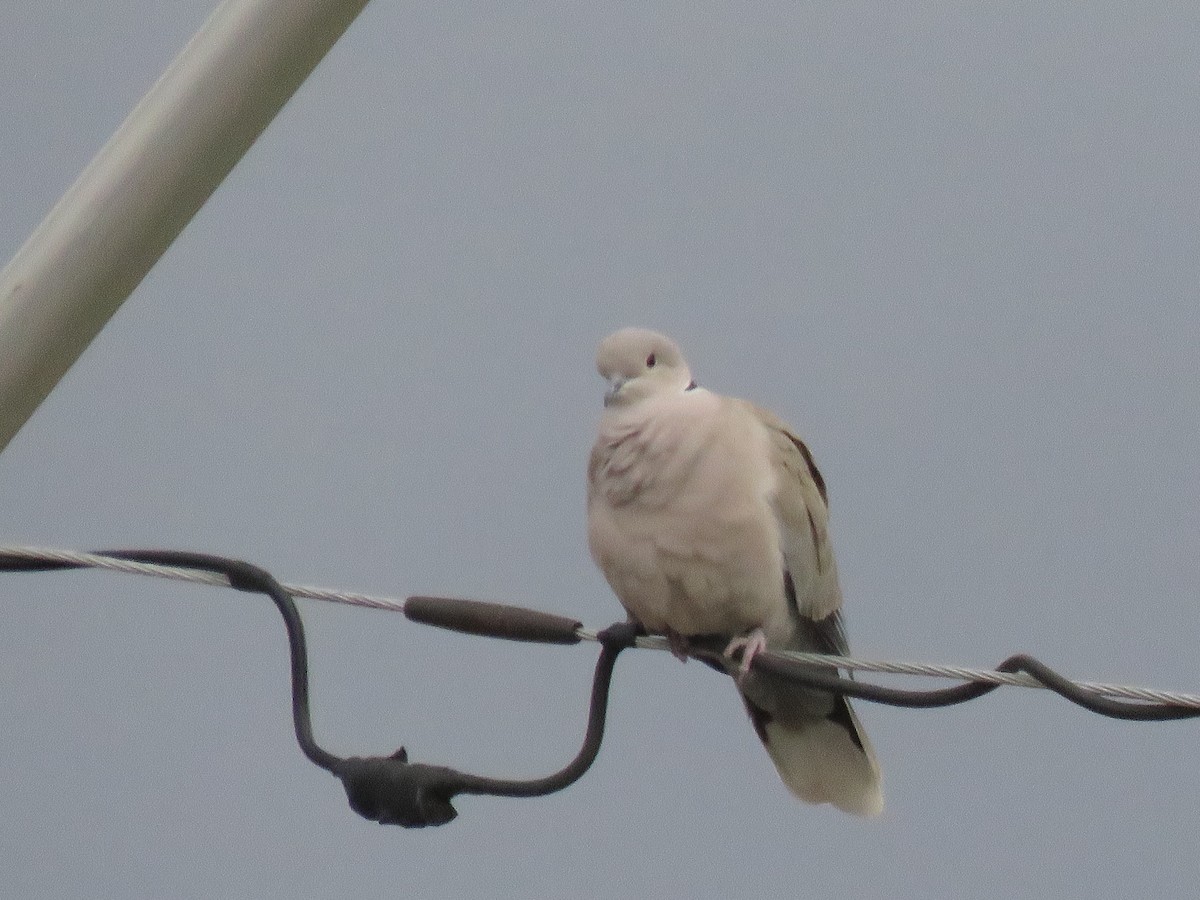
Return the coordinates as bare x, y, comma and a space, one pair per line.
708, 517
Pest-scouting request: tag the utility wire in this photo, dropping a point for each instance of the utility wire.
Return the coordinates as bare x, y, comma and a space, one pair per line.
391, 790
76, 559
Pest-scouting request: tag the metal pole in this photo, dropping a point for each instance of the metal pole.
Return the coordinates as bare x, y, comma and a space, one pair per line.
144, 186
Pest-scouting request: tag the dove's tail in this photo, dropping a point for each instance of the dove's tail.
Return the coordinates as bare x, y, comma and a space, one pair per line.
823, 759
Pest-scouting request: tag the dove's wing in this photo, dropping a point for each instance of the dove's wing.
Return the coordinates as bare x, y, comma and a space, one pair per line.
801, 506
815, 739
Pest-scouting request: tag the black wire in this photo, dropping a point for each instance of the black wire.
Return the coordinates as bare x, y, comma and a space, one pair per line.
1134, 711
244, 576
391, 790
414, 795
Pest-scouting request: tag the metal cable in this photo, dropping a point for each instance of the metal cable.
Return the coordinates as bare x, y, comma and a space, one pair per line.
72, 558
391, 790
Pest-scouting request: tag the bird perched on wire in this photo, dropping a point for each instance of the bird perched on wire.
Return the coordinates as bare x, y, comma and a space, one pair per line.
707, 517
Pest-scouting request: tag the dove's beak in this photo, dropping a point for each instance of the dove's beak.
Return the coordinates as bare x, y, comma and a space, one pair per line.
615, 383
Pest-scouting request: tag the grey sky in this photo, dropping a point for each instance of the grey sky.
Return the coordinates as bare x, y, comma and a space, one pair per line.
955, 246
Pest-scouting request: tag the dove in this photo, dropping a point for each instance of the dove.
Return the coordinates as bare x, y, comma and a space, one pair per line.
708, 517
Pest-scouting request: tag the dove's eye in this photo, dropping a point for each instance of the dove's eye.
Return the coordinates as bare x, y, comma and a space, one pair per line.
650, 361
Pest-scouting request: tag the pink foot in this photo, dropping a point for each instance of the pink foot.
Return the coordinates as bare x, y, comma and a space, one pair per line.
679, 643
751, 645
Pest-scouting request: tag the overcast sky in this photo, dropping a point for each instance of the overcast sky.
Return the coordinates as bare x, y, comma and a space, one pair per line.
954, 245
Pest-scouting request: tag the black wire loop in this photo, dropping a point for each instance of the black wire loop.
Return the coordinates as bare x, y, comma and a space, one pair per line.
393, 791
390, 789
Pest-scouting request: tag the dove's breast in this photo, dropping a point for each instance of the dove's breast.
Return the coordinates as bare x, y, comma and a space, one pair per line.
679, 519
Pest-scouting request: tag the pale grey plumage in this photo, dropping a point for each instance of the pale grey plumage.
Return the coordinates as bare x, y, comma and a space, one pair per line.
708, 517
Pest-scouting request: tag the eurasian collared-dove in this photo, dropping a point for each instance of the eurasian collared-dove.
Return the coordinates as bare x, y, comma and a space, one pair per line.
708, 517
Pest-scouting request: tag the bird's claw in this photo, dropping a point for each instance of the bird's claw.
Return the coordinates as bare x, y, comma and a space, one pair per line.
680, 644
751, 645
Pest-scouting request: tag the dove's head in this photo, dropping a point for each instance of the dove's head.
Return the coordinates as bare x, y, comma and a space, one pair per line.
638, 364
